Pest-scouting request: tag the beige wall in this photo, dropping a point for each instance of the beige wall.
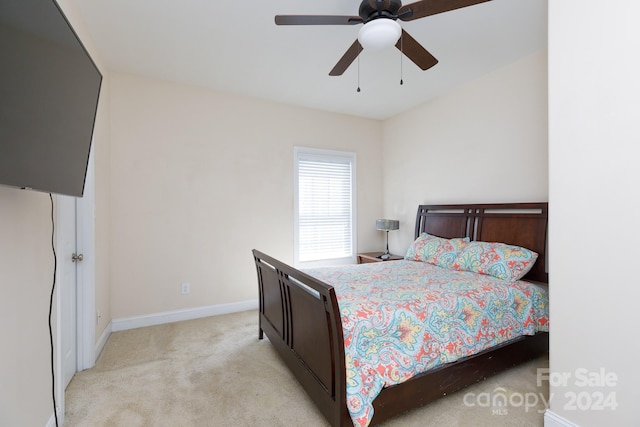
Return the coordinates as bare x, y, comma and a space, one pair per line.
483, 142
26, 276
594, 179
102, 211
200, 178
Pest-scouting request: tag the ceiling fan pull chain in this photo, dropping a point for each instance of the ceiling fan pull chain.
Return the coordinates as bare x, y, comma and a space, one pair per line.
358, 90
401, 55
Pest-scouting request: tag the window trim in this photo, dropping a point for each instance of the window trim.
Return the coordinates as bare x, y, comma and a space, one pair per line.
299, 152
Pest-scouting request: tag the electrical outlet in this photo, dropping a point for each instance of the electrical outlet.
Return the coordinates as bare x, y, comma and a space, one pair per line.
185, 288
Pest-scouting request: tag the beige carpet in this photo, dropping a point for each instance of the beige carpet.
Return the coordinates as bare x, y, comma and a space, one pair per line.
215, 372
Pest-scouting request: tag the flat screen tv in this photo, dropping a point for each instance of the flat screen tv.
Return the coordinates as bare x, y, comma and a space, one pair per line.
49, 89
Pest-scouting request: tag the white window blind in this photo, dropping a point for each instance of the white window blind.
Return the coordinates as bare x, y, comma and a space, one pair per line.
324, 205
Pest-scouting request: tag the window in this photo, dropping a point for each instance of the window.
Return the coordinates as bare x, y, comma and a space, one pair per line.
324, 207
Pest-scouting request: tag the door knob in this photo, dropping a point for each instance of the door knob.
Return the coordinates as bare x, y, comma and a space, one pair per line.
77, 257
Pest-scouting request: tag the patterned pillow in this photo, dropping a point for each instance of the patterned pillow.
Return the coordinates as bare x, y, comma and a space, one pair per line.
499, 260
436, 250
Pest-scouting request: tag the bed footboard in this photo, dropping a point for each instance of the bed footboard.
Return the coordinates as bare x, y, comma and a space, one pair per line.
300, 316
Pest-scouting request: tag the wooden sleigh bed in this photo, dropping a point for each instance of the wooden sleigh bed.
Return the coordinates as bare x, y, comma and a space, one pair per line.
300, 315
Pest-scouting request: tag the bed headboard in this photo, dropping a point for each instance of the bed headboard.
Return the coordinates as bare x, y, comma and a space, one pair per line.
520, 224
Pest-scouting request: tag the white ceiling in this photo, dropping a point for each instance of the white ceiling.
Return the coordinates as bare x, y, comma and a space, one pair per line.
235, 46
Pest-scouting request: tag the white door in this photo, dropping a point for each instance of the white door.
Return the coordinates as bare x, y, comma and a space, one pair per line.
68, 261
75, 306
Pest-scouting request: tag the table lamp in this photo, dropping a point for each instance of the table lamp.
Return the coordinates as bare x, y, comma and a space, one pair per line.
386, 225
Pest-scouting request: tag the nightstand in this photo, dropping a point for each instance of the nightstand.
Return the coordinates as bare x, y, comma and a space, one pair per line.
374, 257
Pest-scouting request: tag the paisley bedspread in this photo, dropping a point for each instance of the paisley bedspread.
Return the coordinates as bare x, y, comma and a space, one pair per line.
402, 318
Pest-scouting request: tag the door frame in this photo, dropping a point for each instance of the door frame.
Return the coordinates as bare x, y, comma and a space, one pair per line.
85, 284
85, 287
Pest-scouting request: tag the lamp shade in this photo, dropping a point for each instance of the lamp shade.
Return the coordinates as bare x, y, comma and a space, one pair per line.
387, 224
379, 34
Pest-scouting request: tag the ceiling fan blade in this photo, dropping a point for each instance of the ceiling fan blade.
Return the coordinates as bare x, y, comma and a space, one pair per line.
349, 56
415, 52
423, 8
317, 20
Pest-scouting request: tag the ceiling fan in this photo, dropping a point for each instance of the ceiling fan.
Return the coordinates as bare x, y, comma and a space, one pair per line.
380, 27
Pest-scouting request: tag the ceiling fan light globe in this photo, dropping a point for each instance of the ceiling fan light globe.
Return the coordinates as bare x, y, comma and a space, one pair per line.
379, 34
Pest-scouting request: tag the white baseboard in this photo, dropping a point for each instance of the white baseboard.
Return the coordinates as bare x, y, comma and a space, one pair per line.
180, 315
551, 419
102, 341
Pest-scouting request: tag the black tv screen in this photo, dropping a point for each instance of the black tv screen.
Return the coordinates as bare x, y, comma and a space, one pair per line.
49, 88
